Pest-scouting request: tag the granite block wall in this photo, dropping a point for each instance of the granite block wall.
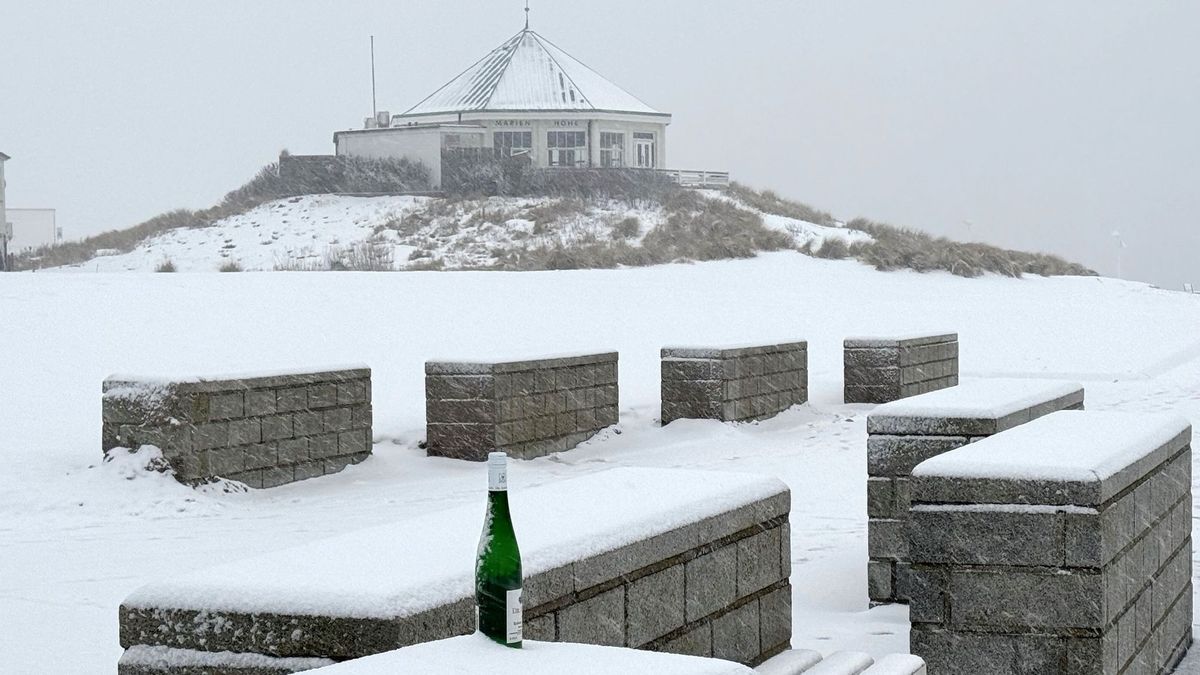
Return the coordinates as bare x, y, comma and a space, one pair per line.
735, 384
879, 370
717, 586
262, 431
898, 441
1076, 566
525, 408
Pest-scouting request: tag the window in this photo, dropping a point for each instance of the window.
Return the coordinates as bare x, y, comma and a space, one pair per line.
612, 149
513, 143
645, 151
567, 148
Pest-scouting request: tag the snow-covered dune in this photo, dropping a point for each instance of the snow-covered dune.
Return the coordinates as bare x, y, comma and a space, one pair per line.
78, 535
312, 231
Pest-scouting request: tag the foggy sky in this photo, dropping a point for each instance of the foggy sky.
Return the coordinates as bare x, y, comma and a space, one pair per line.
1031, 124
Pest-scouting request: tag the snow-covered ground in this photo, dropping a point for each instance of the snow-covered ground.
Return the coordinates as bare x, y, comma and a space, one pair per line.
78, 535
307, 232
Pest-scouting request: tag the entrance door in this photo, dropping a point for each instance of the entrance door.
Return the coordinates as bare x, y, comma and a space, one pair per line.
645, 151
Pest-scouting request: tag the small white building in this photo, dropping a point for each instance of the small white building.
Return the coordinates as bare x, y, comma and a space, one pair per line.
33, 229
527, 98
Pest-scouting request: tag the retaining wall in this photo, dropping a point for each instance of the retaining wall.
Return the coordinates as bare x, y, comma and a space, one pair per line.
879, 370
905, 433
1063, 546
525, 408
733, 384
703, 573
263, 431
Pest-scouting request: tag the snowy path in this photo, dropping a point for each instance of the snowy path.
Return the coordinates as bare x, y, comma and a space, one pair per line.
76, 536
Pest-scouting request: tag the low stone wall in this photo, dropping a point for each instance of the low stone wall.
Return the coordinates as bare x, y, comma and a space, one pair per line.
704, 573
1062, 546
879, 370
905, 433
525, 408
734, 384
263, 431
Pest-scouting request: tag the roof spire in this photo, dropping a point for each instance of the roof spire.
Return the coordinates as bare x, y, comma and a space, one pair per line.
526, 14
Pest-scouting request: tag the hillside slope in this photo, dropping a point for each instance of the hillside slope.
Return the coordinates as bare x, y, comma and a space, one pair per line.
322, 232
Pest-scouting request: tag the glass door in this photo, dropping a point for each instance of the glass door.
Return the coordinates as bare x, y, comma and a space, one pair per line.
645, 152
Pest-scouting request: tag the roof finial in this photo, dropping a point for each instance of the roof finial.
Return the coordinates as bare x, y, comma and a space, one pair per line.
526, 14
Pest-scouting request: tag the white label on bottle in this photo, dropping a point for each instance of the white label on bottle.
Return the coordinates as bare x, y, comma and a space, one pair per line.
497, 478
512, 616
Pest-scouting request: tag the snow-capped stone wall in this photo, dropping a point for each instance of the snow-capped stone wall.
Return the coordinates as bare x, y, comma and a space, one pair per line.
525, 408
1063, 546
879, 370
905, 433
733, 384
701, 569
263, 430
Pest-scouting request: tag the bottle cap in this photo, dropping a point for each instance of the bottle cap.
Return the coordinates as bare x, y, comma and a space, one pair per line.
497, 464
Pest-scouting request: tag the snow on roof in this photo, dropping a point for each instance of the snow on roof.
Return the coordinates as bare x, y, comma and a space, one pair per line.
4, 157
410, 566
1072, 445
472, 654
529, 73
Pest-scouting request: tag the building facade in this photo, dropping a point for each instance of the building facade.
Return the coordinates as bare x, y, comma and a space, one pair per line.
33, 229
527, 99
5, 231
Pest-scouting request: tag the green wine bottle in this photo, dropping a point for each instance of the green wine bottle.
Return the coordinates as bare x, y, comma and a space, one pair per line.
498, 566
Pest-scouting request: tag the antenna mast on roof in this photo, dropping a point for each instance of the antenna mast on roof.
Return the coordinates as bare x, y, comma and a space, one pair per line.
374, 105
526, 14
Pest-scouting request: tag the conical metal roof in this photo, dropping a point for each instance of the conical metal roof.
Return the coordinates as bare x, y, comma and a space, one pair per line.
529, 73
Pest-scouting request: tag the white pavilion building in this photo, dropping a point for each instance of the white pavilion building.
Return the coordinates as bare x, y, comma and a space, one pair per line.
527, 98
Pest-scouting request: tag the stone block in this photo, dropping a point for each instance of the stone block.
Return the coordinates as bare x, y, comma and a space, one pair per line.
245, 431
291, 399
277, 475
309, 470
294, 451
259, 402
223, 461
899, 455
540, 628
963, 653
599, 620
260, 456
212, 435
690, 369
968, 535
353, 442
337, 419
226, 406
324, 395
735, 635
320, 447
775, 619
711, 582
655, 606
758, 561
276, 428
460, 387
308, 423
695, 642
879, 581
887, 539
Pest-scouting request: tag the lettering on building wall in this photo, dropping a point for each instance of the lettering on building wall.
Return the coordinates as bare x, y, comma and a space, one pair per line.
527, 123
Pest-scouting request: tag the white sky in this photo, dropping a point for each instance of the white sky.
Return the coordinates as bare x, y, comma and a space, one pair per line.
1045, 125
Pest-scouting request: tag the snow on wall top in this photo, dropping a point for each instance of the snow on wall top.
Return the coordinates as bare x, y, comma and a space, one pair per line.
411, 566
528, 73
979, 399
475, 654
1072, 445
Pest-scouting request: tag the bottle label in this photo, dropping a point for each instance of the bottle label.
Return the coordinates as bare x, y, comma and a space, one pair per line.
513, 616
497, 478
